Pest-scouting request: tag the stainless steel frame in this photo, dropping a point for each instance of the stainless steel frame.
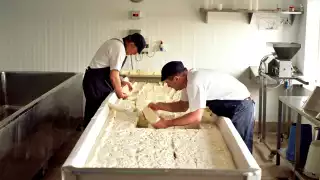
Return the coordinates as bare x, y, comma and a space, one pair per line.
295, 104
263, 105
46, 108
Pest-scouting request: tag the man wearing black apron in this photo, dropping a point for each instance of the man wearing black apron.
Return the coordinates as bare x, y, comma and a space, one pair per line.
103, 74
222, 93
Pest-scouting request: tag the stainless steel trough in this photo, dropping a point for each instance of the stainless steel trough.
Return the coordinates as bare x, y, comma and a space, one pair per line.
38, 112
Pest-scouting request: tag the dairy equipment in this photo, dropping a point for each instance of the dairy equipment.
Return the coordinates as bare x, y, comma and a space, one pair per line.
276, 69
76, 167
38, 113
281, 64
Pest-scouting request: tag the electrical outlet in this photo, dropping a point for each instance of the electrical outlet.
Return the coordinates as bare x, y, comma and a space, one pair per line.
145, 50
135, 15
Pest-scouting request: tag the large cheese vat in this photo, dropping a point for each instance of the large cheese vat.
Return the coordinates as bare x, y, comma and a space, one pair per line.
76, 168
39, 110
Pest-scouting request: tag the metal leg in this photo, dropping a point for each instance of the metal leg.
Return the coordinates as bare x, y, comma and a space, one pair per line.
260, 108
289, 111
284, 117
264, 113
316, 133
279, 130
287, 123
298, 142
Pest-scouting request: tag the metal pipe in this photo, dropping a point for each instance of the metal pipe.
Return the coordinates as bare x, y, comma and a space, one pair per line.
289, 118
316, 133
264, 114
298, 142
4, 88
301, 80
279, 131
285, 109
286, 78
260, 107
284, 119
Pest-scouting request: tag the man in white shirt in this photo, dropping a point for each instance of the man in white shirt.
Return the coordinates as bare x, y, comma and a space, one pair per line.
222, 93
103, 74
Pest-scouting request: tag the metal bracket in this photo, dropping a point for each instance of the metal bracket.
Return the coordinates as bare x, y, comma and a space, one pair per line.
136, 1
250, 14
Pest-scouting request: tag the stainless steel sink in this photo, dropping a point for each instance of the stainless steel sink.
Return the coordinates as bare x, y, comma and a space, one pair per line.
20, 88
6, 110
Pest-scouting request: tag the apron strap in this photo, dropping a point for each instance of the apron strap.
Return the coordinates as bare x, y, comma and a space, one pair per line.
124, 62
125, 59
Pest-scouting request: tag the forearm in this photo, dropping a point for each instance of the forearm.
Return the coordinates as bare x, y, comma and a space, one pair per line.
190, 118
116, 82
173, 106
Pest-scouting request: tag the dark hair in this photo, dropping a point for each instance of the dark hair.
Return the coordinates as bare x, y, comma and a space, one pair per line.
178, 74
172, 68
137, 39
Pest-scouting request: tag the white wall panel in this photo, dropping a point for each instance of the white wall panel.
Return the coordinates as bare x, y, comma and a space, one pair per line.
63, 35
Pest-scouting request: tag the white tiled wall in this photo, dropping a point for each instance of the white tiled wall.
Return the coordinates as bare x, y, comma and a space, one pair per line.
63, 35
312, 37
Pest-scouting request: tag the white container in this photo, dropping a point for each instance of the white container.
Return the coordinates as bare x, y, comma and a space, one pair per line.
220, 6
313, 102
313, 159
75, 168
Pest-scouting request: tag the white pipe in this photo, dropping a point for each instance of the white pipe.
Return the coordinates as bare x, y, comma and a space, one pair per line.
250, 5
257, 5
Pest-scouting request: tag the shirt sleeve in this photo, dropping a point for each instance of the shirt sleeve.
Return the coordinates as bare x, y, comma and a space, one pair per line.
117, 55
184, 95
196, 97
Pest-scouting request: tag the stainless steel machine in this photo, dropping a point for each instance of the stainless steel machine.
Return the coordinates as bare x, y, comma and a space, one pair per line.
281, 64
275, 70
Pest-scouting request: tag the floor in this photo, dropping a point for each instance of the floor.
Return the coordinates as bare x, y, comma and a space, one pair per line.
269, 170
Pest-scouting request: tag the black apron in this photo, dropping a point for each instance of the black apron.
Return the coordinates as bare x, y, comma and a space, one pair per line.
96, 87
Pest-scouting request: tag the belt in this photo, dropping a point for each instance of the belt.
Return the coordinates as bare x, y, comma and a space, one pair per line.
98, 70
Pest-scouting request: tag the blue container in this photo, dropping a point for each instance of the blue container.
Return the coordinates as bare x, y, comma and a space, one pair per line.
306, 138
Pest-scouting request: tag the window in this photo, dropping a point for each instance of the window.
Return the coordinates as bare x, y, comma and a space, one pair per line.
312, 43
318, 61
317, 65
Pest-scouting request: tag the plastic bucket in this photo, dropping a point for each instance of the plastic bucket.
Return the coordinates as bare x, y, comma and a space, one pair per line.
306, 138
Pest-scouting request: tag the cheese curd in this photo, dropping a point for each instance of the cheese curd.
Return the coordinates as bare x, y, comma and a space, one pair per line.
122, 145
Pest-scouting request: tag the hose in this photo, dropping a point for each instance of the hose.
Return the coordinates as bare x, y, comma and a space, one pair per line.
260, 70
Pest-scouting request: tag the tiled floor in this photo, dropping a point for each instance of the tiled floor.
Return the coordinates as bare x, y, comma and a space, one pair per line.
269, 170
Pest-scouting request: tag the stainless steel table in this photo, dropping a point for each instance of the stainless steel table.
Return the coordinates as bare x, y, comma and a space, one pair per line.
294, 103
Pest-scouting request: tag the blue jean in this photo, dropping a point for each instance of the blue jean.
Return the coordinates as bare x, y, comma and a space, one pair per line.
241, 113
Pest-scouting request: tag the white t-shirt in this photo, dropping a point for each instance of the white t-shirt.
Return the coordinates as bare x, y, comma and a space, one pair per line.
111, 54
206, 85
